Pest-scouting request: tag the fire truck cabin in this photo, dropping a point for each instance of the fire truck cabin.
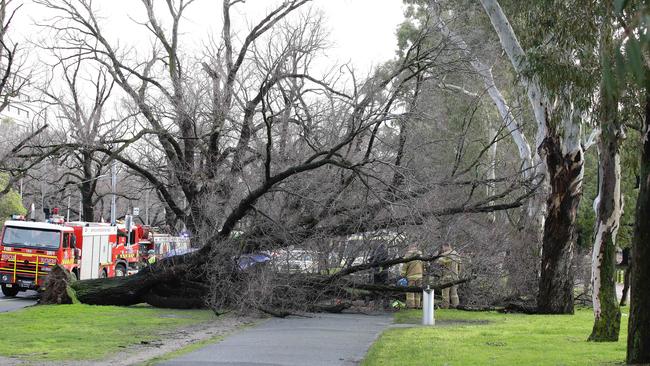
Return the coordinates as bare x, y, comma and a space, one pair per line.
29, 250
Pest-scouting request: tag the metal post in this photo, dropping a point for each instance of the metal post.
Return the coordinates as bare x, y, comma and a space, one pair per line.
428, 316
43, 199
81, 208
113, 189
146, 207
128, 225
67, 217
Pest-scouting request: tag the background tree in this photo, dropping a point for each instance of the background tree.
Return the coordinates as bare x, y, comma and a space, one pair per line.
632, 64
83, 124
549, 73
608, 203
10, 202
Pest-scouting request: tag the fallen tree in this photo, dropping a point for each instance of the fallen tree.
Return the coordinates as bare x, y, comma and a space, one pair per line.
287, 159
174, 283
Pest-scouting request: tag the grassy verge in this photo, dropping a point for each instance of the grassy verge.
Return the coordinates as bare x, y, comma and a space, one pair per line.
489, 338
85, 332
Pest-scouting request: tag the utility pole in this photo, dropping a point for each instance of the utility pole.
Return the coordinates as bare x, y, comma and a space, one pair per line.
113, 190
43, 198
146, 207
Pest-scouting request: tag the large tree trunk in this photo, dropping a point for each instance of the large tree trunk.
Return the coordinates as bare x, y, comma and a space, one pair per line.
87, 207
565, 170
608, 206
560, 149
638, 336
173, 283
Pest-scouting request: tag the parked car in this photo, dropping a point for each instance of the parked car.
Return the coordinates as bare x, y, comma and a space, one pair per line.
295, 260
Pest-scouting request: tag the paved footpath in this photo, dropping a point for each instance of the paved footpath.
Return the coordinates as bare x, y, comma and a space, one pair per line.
324, 339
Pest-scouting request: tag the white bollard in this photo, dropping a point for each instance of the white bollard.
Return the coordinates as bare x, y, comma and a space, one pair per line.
428, 316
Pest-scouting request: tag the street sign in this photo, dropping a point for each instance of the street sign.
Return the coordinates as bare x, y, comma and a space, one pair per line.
136, 211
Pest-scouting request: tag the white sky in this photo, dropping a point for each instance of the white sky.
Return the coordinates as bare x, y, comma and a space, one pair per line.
361, 31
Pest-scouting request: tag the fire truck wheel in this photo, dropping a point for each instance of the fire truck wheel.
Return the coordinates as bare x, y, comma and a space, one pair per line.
10, 291
120, 270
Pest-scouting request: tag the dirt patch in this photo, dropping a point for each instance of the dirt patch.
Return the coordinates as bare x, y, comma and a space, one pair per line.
167, 342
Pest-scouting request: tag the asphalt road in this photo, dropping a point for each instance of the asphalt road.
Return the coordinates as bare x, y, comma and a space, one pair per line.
23, 299
324, 339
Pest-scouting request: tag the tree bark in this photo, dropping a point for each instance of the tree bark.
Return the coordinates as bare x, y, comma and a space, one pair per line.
559, 148
638, 335
608, 206
173, 282
565, 172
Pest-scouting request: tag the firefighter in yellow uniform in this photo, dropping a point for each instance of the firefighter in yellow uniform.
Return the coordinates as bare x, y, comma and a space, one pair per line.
450, 261
413, 271
152, 257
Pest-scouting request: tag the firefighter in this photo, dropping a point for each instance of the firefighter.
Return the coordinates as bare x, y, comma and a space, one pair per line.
152, 257
450, 261
413, 271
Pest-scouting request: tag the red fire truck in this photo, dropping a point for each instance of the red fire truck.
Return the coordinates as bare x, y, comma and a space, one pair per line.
29, 250
130, 253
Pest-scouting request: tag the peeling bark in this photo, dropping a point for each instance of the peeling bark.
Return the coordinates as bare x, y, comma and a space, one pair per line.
565, 178
560, 150
609, 208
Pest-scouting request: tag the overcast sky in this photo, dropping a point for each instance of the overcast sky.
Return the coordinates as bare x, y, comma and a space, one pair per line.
361, 31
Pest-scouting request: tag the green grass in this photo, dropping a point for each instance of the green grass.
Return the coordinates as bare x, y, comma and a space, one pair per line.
86, 332
490, 338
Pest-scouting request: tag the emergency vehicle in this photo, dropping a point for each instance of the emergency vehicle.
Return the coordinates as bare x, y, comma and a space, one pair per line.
29, 250
130, 252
